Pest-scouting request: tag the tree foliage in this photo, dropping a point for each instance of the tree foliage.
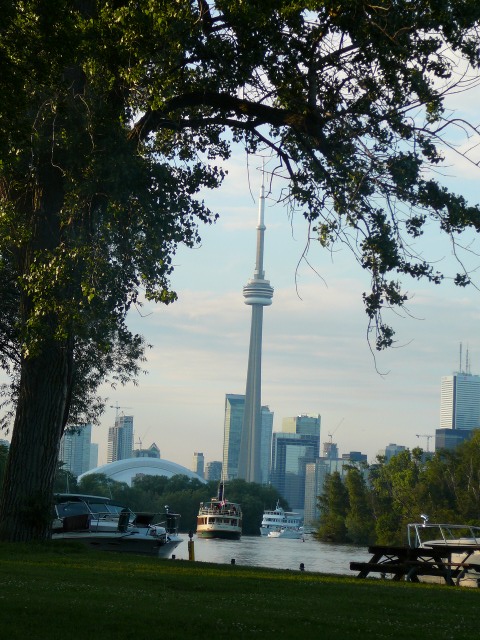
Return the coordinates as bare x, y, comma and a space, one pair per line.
359, 520
114, 115
375, 507
334, 508
183, 495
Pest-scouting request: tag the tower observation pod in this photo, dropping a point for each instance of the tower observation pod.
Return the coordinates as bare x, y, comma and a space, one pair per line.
258, 294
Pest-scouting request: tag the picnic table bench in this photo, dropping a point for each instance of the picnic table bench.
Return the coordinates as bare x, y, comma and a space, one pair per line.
407, 563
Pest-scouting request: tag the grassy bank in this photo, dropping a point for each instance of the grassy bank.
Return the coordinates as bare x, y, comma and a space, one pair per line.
59, 592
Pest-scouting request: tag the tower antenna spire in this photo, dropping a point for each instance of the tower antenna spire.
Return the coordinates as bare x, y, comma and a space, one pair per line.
257, 293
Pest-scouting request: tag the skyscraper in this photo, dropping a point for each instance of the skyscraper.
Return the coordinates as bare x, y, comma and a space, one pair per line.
306, 425
120, 439
213, 470
392, 450
234, 415
292, 449
315, 476
76, 449
198, 463
266, 444
290, 454
460, 402
232, 433
257, 293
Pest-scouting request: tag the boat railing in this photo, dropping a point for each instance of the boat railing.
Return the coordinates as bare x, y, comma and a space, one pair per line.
218, 512
212, 511
420, 533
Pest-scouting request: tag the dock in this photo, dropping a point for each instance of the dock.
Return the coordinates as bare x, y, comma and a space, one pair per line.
407, 563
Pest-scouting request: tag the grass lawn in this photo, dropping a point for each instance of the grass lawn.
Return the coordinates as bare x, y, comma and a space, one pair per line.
67, 592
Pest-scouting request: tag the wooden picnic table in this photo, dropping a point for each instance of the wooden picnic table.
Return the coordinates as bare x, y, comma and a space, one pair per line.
407, 563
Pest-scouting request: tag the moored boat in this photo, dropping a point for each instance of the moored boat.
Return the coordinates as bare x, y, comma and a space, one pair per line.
428, 534
281, 523
104, 524
292, 533
462, 539
219, 518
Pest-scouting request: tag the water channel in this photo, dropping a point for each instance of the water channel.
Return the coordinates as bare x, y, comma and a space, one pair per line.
277, 553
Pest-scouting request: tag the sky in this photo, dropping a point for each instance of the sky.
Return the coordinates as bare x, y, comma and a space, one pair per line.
316, 357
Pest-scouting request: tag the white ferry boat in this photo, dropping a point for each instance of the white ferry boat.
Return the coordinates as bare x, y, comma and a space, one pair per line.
277, 523
219, 518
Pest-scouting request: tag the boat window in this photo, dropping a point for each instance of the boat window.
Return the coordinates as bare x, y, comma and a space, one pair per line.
114, 508
97, 507
71, 508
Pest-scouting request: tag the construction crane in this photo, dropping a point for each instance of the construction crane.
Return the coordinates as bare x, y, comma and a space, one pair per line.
424, 435
330, 435
117, 407
140, 439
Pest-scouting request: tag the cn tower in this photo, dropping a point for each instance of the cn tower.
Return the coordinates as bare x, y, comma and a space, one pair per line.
258, 294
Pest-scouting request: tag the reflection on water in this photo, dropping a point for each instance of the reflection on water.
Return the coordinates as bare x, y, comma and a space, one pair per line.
277, 553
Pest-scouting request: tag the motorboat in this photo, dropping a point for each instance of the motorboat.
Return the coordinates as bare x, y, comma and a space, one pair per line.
219, 518
293, 533
462, 541
104, 524
427, 534
282, 524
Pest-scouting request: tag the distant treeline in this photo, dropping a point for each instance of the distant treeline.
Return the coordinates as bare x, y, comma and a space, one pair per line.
180, 493
374, 505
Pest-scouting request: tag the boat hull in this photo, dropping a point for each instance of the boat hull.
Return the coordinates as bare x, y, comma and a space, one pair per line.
108, 542
290, 534
215, 533
126, 543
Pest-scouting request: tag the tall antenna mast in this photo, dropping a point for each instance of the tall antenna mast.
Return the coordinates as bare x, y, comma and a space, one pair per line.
258, 294
467, 364
460, 369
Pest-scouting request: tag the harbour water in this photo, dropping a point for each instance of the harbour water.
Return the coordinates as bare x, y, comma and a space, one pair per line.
277, 553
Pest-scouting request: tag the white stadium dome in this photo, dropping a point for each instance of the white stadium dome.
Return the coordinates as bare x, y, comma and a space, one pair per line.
126, 470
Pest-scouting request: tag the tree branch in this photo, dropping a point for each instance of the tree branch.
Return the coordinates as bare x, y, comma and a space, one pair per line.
309, 123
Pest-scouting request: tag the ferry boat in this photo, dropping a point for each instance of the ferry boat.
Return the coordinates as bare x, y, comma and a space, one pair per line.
219, 518
277, 523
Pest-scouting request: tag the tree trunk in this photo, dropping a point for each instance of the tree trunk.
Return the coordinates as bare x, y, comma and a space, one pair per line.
26, 507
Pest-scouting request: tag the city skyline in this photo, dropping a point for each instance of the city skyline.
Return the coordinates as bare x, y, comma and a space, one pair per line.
316, 358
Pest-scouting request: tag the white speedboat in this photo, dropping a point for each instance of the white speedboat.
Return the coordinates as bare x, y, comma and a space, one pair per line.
104, 524
427, 534
219, 518
283, 524
463, 541
286, 532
